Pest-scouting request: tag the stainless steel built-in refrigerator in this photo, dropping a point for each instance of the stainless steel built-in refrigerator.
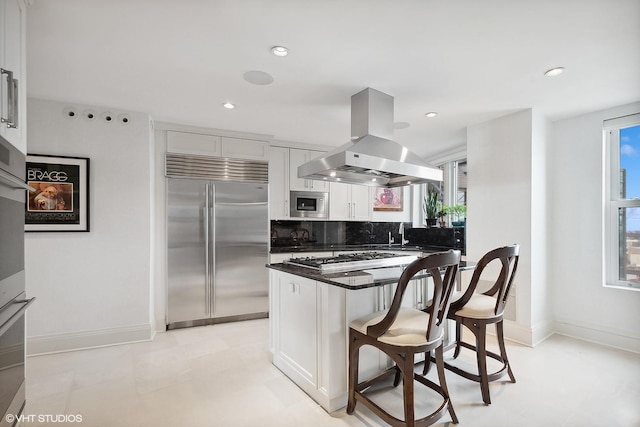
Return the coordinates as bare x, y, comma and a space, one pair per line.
217, 238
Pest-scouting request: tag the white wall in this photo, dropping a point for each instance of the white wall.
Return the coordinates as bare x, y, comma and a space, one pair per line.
506, 193
582, 306
93, 288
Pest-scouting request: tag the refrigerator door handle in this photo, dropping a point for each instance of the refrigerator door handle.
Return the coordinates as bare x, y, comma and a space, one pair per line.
212, 247
207, 268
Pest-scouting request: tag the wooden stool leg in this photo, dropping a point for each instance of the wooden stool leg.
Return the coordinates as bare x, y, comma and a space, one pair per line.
481, 353
397, 377
427, 363
354, 358
456, 352
443, 382
407, 390
503, 349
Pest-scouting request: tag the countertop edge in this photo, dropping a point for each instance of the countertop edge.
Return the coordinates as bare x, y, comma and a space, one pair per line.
313, 275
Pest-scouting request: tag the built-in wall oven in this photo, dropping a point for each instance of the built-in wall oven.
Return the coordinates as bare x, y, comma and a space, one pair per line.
13, 300
309, 204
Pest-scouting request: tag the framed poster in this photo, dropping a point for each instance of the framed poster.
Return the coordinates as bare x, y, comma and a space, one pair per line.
387, 199
60, 197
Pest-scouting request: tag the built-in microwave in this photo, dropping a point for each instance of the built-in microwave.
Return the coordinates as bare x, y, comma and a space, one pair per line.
309, 204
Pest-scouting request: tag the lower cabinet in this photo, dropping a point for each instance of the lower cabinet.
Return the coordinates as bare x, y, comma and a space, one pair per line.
297, 345
309, 325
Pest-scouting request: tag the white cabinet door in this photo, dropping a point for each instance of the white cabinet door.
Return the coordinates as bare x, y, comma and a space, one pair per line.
339, 201
216, 146
297, 323
279, 183
238, 148
298, 157
13, 62
349, 202
193, 143
361, 203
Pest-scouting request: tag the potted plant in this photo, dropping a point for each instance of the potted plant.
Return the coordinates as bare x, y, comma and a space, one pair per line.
441, 215
459, 212
431, 207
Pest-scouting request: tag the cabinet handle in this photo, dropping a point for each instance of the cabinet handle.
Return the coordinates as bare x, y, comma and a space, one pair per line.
349, 210
353, 208
11, 101
14, 114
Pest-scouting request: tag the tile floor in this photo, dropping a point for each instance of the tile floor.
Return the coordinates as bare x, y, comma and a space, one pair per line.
221, 375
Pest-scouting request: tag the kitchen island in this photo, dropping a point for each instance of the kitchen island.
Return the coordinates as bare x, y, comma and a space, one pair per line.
310, 313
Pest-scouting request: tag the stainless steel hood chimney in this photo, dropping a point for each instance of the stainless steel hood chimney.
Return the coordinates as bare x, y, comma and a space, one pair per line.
371, 158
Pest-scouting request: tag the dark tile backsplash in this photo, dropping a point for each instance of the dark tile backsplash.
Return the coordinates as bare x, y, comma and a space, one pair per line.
312, 233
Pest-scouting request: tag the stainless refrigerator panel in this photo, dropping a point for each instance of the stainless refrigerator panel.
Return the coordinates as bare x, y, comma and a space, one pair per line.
188, 287
241, 281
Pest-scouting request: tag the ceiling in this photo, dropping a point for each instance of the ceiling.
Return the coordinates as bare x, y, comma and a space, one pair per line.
469, 60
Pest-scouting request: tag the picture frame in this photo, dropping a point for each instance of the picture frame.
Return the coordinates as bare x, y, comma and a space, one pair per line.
387, 199
60, 197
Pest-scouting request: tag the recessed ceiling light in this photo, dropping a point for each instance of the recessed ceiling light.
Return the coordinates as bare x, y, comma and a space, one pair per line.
554, 72
332, 174
280, 51
229, 105
431, 114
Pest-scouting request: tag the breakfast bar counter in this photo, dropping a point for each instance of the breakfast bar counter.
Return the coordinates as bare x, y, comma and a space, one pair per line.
359, 279
310, 313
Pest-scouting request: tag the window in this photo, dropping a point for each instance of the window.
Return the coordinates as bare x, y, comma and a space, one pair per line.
453, 190
461, 169
622, 216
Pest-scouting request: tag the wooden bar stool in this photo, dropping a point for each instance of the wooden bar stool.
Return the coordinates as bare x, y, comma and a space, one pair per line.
476, 310
401, 333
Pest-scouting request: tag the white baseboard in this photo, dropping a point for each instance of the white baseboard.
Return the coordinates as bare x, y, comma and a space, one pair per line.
535, 335
88, 339
612, 338
526, 335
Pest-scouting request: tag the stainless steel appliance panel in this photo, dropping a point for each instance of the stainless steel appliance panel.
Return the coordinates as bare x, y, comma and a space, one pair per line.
187, 265
241, 281
217, 251
309, 204
13, 302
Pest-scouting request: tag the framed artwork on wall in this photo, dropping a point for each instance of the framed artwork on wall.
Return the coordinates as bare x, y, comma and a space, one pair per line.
59, 200
387, 199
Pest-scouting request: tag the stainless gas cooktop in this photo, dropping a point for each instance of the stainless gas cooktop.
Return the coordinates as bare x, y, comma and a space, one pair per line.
351, 262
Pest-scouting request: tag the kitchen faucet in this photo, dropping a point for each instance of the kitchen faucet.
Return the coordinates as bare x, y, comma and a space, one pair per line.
401, 231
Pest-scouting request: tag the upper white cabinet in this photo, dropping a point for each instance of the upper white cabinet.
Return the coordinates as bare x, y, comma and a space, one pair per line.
283, 177
213, 145
350, 202
298, 157
193, 143
239, 148
13, 91
278, 183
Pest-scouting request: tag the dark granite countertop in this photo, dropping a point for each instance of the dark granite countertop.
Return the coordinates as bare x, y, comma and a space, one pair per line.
359, 279
371, 247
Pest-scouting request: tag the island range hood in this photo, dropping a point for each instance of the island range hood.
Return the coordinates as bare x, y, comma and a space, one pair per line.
372, 158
